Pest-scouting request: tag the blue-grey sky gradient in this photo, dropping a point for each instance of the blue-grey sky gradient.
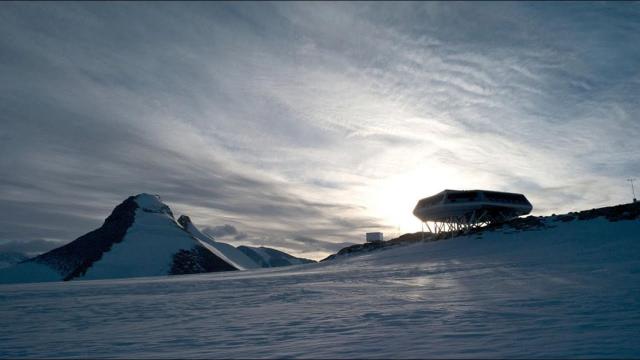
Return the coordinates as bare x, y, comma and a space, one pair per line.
303, 125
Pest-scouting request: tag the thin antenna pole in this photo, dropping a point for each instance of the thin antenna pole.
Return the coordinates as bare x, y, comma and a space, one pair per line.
633, 190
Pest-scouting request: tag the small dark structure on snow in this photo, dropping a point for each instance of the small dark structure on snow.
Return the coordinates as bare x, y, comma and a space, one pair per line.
374, 237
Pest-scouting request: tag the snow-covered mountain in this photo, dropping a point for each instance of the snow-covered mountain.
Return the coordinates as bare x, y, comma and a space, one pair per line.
243, 257
139, 238
142, 238
11, 258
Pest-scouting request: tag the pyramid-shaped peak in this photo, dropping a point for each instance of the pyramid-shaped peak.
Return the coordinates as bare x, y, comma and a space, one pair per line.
152, 203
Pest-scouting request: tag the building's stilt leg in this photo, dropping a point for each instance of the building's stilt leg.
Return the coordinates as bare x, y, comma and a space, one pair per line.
428, 227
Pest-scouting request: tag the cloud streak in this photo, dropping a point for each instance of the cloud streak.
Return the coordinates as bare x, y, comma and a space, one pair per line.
303, 125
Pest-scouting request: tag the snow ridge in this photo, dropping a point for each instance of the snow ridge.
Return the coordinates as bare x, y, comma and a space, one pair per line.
225, 251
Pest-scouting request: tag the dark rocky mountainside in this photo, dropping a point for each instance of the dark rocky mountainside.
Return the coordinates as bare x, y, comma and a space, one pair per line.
197, 260
73, 259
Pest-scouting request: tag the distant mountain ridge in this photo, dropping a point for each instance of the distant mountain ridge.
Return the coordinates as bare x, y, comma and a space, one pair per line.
10, 258
267, 257
616, 213
139, 238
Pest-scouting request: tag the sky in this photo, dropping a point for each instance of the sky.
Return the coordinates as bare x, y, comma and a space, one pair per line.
301, 126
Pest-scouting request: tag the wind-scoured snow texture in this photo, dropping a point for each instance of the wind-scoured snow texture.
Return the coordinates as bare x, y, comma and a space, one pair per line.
569, 289
268, 257
225, 251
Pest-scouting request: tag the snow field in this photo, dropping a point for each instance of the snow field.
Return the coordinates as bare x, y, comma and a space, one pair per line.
571, 290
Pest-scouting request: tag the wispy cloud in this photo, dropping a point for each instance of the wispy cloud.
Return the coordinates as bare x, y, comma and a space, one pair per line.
303, 125
221, 230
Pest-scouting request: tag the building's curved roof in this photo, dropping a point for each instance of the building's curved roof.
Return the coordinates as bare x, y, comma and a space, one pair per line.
468, 203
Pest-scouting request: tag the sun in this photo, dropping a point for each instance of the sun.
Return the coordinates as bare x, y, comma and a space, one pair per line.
393, 198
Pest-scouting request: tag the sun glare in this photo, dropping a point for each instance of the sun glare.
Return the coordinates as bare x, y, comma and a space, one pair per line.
393, 198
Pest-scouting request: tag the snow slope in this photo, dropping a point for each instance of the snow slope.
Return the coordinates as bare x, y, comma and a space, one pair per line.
568, 289
225, 251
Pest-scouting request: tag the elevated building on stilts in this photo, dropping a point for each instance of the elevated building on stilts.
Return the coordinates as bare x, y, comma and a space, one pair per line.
463, 210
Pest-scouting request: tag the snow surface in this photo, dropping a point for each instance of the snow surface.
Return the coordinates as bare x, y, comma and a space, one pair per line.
224, 251
147, 248
568, 291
